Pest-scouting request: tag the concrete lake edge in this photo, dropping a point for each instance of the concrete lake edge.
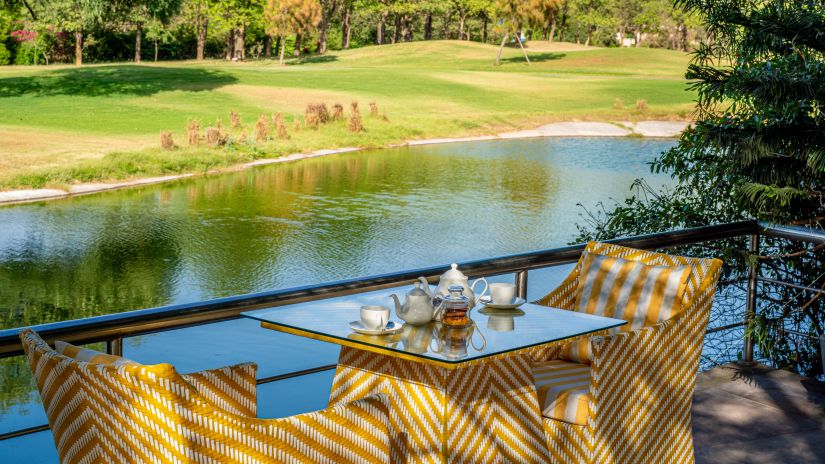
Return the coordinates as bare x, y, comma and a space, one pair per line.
661, 129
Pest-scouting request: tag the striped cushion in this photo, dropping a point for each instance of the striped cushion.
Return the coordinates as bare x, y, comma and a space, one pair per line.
564, 390
90, 356
232, 388
624, 289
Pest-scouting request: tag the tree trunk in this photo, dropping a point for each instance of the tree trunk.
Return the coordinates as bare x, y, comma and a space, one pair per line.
462, 16
282, 47
323, 26
156, 51
408, 29
78, 47
396, 35
240, 46
379, 31
552, 29
346, 27
484, 26
428, 27
268, 47
589, 33
230, 44
138, 35
683, 37
202, 22
297, 51
500, 48
637, 34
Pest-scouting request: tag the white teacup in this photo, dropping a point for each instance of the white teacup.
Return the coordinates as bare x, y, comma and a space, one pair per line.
502, 293
375, 317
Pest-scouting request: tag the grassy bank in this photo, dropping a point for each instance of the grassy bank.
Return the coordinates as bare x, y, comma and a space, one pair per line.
62, 124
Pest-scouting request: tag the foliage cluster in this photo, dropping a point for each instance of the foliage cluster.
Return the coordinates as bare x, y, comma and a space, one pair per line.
757, 150
103, 30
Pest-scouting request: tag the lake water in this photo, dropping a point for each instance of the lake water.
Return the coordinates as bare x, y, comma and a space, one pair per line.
290, 224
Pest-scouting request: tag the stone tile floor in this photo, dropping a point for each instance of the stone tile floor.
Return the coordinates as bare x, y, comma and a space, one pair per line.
758, 415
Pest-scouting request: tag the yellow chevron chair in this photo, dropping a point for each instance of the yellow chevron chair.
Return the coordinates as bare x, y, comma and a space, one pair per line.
632, 402
132, 413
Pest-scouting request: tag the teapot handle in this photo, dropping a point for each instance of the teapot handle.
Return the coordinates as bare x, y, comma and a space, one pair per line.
483, 292
425, 285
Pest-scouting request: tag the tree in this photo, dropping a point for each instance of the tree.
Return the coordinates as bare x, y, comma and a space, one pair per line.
757, 150
284, 17
590, 15
141, 12
75, 16
197, 12
543, 14
512, 15
328, 9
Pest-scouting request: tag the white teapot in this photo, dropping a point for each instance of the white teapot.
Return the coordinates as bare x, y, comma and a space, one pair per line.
417, 308
456, 277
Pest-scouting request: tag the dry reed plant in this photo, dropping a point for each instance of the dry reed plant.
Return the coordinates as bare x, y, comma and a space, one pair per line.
166, 141
280, 126
355, 124
193, 129
261, 129
618, 104
234, 120
337, 112
373, 109
213, 137
311, 119
641, 104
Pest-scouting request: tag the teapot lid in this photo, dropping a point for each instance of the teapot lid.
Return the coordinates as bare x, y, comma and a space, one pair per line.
453, 273
417, 291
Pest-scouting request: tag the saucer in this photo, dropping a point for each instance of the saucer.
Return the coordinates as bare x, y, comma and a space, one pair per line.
391, 328
488, 303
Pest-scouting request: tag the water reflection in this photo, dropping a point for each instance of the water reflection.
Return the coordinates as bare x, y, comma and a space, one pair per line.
299, 223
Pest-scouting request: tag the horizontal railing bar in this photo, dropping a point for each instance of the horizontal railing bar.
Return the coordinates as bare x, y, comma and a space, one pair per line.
789, 284
150, 320
290, 375
21, 432
724, 327
796, 233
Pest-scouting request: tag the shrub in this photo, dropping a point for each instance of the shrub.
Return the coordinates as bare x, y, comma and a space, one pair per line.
215, 136
618, 104
166, 141
641, 104
373, 109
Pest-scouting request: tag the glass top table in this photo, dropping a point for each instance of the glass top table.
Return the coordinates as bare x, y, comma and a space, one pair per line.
493, 332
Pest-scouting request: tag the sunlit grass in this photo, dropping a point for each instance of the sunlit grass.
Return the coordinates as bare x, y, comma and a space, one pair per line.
62, 124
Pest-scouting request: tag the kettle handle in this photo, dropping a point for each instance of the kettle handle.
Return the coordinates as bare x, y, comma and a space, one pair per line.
425, 285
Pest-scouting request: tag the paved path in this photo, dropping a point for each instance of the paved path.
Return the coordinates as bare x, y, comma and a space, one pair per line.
757, 416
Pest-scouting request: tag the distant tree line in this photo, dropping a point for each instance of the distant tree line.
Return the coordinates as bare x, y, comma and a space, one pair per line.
47, 31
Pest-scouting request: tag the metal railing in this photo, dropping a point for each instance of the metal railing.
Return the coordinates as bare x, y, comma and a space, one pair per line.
113, 328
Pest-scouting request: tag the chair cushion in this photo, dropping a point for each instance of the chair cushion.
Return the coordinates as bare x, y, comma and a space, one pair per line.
232, 388
564, 390
642, 295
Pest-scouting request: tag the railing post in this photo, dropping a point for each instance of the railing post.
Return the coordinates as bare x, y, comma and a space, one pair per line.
115, 346
521, 284
750, 309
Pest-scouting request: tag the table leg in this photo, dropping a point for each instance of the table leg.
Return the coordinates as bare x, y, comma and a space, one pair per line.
487, 412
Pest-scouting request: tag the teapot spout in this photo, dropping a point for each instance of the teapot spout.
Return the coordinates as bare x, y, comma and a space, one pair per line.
398, 308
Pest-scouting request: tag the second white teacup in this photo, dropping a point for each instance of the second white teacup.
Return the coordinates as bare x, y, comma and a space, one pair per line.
375, 317
502, 293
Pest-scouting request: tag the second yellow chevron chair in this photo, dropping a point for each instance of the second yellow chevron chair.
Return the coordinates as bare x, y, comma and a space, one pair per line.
625, 397
124, 412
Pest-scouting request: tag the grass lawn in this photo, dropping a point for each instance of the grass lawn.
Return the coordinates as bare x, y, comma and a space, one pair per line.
62, 124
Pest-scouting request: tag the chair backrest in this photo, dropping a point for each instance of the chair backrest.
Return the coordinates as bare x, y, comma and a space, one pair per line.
137, 413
